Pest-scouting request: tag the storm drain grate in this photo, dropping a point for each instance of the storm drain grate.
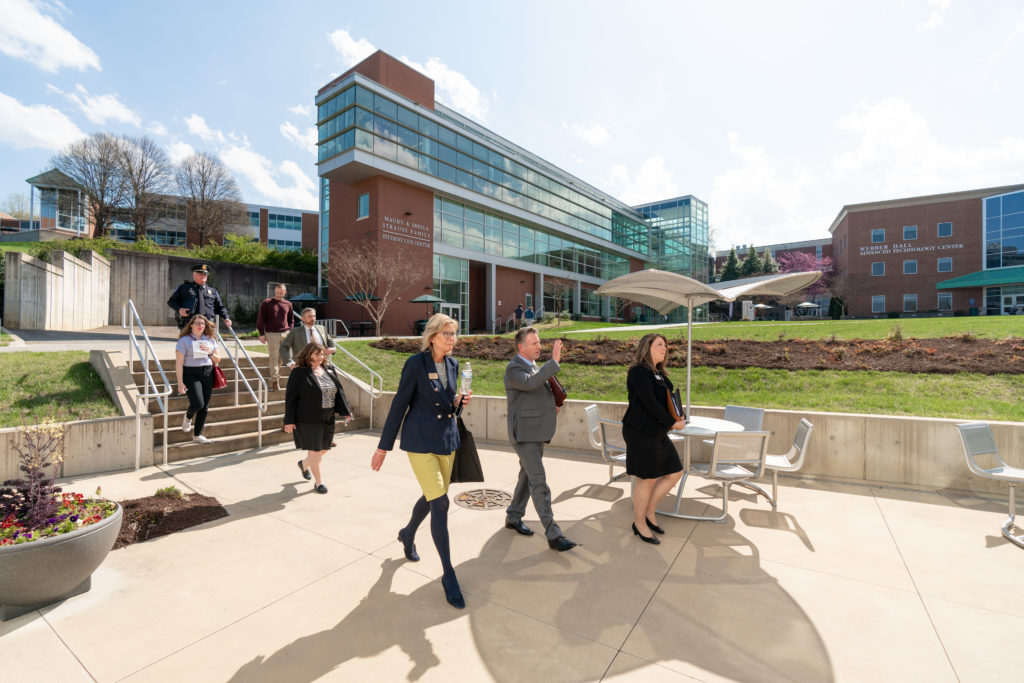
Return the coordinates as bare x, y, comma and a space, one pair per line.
483, 499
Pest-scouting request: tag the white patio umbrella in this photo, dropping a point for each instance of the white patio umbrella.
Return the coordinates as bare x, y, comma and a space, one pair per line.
807, 304
664, 291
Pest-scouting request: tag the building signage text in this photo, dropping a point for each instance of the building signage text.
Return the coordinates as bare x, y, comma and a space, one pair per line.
904, 248
405, 232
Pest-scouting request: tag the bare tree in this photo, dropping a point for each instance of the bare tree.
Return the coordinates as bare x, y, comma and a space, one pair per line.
373, 277
212, 197
147, 175
16, 205
560, 291
94, 162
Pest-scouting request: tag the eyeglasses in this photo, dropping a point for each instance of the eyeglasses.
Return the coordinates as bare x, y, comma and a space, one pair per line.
449, 335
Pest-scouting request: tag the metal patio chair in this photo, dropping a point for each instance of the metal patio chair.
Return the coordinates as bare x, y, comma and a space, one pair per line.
978, 441
790, 461
750, 419
597, 431
736, 458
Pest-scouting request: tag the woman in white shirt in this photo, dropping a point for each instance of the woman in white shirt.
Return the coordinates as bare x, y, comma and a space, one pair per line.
194, 358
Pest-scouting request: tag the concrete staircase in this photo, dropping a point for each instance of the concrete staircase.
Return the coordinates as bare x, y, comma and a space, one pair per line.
231, 428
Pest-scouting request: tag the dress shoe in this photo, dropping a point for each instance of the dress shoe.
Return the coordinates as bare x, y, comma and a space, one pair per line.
646, 539
320, 488
305, 472
275, 385
409, 547
654, 527
561, 544
452, 593
519, 527
333, 444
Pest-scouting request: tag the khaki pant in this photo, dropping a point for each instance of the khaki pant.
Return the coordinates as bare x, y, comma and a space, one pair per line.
274, 350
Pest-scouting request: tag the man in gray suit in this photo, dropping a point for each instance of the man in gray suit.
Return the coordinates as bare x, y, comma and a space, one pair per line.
531, 424
303, 334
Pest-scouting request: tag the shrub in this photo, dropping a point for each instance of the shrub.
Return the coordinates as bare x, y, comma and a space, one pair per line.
169, 492
895, 334
894, 314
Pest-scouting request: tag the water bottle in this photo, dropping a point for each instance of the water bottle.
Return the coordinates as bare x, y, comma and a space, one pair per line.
467, 378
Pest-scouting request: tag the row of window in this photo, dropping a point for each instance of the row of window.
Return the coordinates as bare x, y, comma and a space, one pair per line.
284, 222
910, 232
1004, 230
945, 302
943, 265
284, 245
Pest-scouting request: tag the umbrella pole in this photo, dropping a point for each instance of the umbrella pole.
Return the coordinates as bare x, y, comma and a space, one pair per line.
689, 350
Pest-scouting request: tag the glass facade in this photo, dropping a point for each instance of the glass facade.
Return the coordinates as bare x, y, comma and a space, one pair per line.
284, 245
62, 209
451, 283
1004, 230
325, 214
679, 236
277, 221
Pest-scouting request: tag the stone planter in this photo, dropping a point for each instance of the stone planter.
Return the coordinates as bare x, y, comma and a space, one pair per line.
41, 572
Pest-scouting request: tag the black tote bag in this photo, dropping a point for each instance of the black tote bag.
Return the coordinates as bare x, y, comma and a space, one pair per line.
466, 467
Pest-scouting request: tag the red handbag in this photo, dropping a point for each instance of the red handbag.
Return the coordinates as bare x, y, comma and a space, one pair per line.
219, 380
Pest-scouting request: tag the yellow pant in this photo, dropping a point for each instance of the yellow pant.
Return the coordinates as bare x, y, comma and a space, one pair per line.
433, 472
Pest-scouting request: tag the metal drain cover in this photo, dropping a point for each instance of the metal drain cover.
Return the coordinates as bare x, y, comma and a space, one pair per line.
483, 499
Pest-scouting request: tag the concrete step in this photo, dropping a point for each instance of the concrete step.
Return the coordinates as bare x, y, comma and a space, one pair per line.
261, 362
221, 398
229, 375
218, 414
240, 442
219, 428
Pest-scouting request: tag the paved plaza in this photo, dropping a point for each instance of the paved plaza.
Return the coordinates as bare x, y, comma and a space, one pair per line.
844, 582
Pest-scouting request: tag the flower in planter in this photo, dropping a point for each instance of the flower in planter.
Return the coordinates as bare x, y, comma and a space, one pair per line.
32, 507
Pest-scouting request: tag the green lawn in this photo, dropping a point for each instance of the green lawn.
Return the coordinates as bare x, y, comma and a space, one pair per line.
57, 385
17, 246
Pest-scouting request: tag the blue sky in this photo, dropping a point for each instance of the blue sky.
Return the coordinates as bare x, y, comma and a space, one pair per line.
775, 113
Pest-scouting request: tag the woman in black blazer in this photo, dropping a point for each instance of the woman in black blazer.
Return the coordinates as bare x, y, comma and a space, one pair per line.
313, 397
650, 455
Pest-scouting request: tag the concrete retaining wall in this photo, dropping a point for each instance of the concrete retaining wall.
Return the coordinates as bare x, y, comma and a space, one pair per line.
101, 445
900, 451
65, 294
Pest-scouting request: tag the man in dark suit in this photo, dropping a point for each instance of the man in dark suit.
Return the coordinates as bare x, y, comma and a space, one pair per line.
301, 335
197, 297
531, 424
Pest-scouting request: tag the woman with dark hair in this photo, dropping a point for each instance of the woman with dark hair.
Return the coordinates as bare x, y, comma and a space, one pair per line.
194, 357
312, 399
650, 455
425, 407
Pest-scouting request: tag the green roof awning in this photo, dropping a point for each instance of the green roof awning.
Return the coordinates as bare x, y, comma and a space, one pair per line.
1013, 275
54, 178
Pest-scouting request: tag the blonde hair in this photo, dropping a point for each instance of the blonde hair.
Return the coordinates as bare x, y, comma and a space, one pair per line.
437, 324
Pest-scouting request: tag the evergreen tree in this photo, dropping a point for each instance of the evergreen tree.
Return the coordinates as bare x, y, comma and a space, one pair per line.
731, 271
751, 264
769, 263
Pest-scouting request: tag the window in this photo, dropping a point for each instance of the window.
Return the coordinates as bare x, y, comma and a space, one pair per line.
910, 303
878, 268
946, 264
910, 267
363, 206
945, 229
909, 232
945, 301
878, 303
877, 235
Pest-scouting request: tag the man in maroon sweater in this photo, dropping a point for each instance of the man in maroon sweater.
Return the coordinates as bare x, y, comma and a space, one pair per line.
273, 322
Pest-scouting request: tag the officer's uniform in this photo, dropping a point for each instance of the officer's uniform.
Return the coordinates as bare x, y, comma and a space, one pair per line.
197, 298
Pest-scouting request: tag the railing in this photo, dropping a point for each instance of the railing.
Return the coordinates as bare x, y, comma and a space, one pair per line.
259, 396
331, 325
375, 392
152, 391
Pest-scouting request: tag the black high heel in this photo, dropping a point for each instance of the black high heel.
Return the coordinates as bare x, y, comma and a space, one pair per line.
654, 527
452, 593
646, 539
409, 547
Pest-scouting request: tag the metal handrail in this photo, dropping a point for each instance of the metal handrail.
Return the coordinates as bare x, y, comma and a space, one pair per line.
331, 325
129, 324
261, 398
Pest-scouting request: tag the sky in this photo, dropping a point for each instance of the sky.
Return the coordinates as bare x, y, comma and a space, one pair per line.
777, 114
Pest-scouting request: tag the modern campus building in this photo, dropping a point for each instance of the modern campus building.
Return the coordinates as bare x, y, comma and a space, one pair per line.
492, 224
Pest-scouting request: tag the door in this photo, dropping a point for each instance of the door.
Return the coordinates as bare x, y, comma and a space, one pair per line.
452, 311
1013, 304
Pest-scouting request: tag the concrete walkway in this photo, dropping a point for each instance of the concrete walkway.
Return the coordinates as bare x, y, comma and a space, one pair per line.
844, 582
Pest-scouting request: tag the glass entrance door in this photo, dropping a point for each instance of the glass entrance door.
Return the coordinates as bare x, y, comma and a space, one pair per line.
452, 311
1013, 304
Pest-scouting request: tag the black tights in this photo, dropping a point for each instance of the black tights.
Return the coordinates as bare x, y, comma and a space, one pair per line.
438, 509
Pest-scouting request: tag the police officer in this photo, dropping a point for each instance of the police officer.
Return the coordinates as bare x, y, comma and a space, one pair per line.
197, 297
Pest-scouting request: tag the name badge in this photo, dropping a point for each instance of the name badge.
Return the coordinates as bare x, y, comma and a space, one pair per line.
431, 375
657, 377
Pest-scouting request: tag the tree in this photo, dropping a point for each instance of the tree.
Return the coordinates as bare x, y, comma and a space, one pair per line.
801, 261
731, 271
768, 263
16, 205
212, 197
561, 292
94, 162
147, 175
372, 276
751, 264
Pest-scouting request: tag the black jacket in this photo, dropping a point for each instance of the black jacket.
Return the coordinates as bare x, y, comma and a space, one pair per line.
187, 296
647, 392
303, 398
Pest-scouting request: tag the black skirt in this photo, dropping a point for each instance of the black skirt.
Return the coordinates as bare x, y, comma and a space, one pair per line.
315, 436
649, 456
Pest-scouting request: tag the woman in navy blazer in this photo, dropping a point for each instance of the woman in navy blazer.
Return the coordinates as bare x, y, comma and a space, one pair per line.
425, 407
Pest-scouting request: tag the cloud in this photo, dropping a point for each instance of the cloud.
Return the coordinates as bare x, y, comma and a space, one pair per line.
651, 182
258, 171
591, 133
305, 139
761, 200
157, 128
179, 150
197, 126
99, 108
26, 34
35, 126
352, 51
453, 89
935, 19
300, 109
896, 148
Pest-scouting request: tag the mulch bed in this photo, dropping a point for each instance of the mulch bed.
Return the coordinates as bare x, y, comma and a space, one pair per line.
154, 516
945, 355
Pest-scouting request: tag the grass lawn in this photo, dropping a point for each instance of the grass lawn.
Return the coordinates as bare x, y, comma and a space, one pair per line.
56, 384
17, 246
